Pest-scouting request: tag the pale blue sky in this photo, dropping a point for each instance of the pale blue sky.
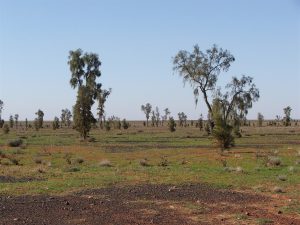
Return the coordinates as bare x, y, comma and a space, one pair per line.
136, 41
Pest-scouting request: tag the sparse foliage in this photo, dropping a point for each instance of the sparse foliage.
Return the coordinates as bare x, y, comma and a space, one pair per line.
84, 68
260, 119
287, 116
40, 118
11, 121
102, 96
182, 119
55, 123
147, 110
172, 124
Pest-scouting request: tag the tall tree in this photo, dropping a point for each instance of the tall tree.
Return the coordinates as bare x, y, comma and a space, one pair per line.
147, 110
102, 96
202, 69
11, 121
1, 108
165, 117
85, 69
40, 118
260, 119
16, 120
287, 118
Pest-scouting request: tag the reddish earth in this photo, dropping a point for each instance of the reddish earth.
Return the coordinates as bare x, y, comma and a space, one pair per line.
147, 204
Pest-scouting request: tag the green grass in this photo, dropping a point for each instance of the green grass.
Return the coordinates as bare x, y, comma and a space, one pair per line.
124, 149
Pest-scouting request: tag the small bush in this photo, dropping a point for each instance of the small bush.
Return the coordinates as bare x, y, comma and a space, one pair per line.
105, 163
172, 124
125, 124
274, 161
15, 143
144, 162
277, 189
79, 160
15, 161
164, 162
282, 177
38, 161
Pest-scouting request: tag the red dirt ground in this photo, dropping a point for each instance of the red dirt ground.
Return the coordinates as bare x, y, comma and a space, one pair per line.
145, 204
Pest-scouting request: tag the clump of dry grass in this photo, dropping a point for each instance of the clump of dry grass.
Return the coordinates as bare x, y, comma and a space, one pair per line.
282, 177
144, 162
278, 189
38, 161
105, 163
163, 162
79, 160
274, 161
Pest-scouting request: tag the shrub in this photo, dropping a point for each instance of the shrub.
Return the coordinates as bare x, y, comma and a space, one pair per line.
5, 162
144, 162
172, 124
5, 129
223, 136
79, 160
274, 161
15, 143
125, 124
282, 177
14, 161
38, 161
277, 189
164, 162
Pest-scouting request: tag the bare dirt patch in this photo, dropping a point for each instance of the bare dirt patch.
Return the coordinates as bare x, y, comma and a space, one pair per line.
144, 204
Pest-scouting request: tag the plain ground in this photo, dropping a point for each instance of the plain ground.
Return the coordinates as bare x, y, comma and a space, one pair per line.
147, 175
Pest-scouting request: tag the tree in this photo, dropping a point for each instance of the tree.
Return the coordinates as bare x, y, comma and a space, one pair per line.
287, 117
147, 110
102, 96
11, 121
16, 120
200, 122
83, 117
1, 108
260, 119
26, 123
201, 70
55, 123
65, 118
40, 118
182, 119
85, 69
172, 124
125, 124
157, 116
165, 117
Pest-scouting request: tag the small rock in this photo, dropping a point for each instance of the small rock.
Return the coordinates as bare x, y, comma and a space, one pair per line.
67, 203
16, 219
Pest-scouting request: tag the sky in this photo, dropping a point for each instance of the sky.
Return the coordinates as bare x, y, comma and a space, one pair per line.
136, 41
